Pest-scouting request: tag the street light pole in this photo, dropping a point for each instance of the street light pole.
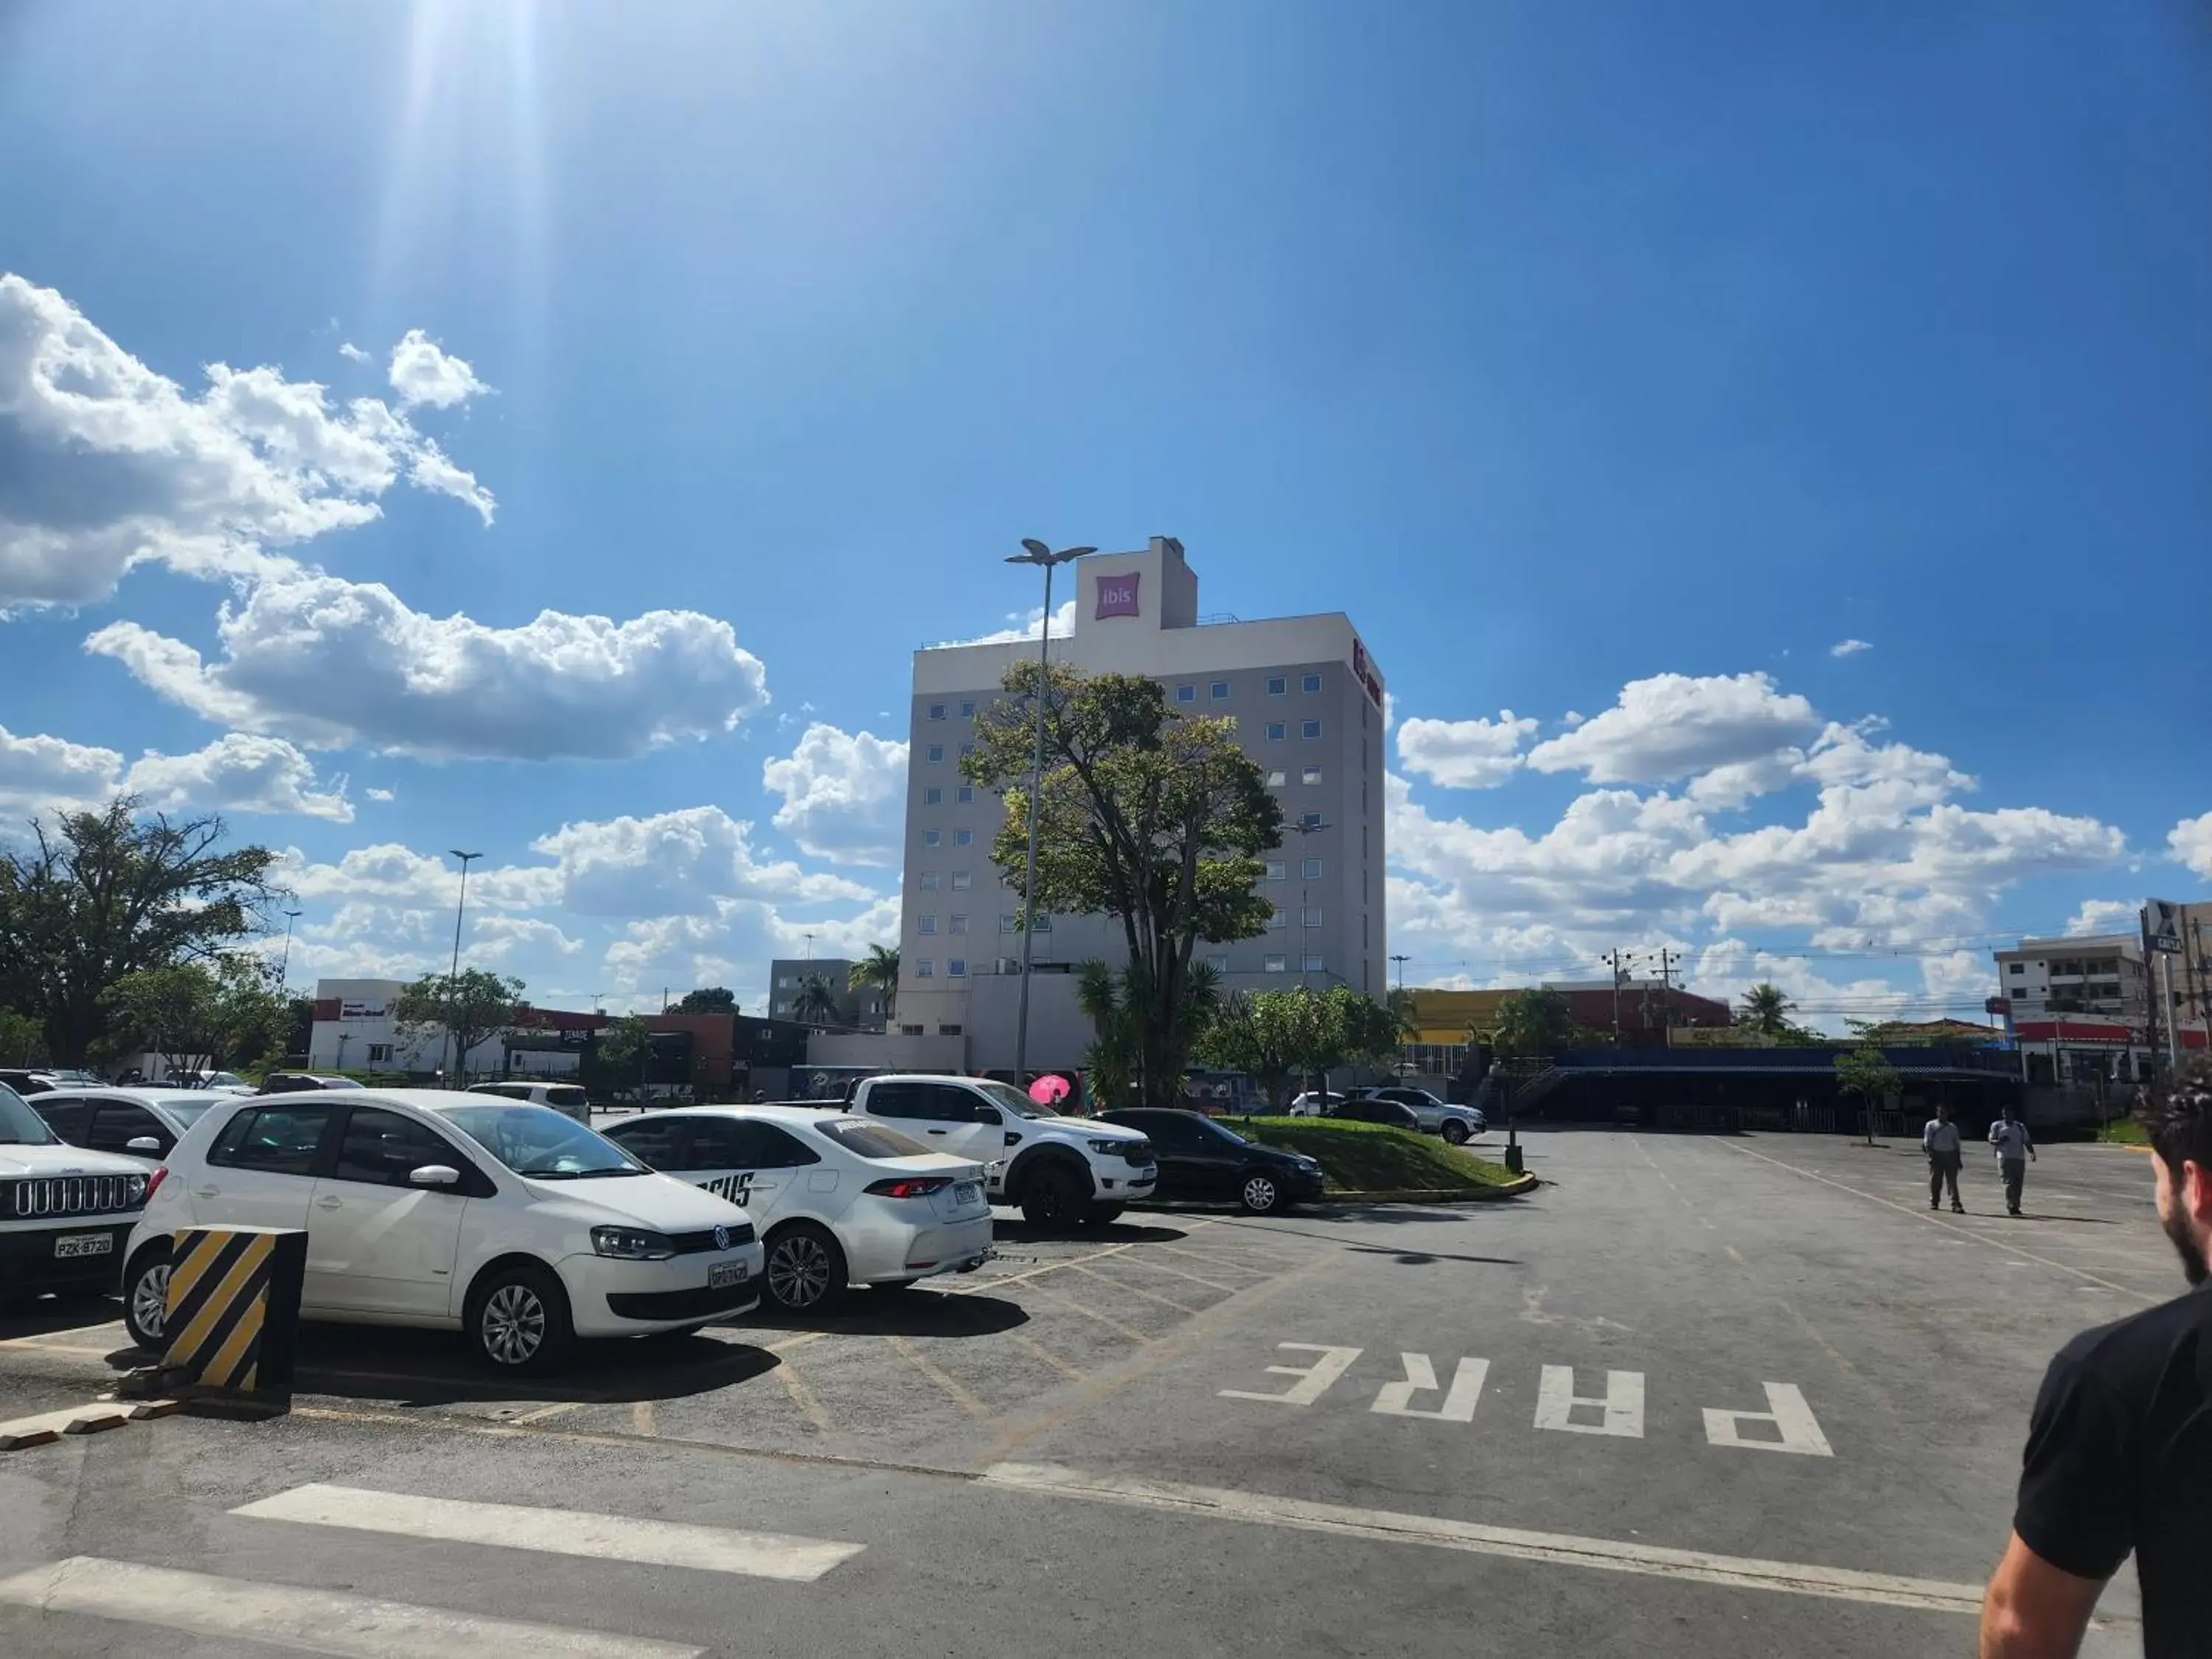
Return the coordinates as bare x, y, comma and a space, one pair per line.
1401, 961
460, 910
284, 972
1036, 552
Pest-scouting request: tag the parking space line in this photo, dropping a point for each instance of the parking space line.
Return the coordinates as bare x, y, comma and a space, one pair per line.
1217, 1262
1037, 1350
929, 1368
1935, 1220
559, 1407
1111, 1324
641, 1419
1163, 1267
1134, 1290
809, 1403
1056, 1266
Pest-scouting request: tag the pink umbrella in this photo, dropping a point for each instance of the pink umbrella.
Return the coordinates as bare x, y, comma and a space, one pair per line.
1050, 1090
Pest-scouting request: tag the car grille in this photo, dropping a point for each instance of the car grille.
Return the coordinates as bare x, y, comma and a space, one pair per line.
692, 1243
59, 1195
1139, 1151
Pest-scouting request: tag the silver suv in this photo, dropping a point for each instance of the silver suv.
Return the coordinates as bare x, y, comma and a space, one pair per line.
1058, 1171
1457, 1124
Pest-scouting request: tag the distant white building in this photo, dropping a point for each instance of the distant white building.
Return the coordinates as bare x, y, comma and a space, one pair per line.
2079, 1007
353, 1030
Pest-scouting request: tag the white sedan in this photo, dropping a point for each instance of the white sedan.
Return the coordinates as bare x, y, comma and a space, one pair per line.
839, 1199
451, 1211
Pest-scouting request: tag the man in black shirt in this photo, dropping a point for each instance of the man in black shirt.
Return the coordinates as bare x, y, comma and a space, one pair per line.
2119, 1448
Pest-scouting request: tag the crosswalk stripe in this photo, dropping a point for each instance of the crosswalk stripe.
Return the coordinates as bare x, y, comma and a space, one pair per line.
557, 1532
314, 1621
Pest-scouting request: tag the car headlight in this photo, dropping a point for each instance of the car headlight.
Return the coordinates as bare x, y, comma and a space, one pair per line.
1111, 1148
631, 1243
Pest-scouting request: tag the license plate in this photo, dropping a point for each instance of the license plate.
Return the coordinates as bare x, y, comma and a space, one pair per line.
966, 1192
723, 1274
85, 1244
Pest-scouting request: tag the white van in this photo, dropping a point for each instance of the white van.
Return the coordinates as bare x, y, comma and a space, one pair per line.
566, 1099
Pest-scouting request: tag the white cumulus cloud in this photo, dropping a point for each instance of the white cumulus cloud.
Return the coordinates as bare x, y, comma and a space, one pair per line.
330, 663
2190, 843
1674, 725
2104, 916
353, 353
677, 863
237, 773
1849, 647
422, 372
1476, 754
105, 463
844, 794
1025, 625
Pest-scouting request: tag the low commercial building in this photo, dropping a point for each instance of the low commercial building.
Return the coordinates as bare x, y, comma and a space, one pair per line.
354, 1028
1649, 1012
2080, 1009
858, 1010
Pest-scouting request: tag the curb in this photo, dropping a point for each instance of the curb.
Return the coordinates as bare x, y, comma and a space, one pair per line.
1527, 1183
47, 1427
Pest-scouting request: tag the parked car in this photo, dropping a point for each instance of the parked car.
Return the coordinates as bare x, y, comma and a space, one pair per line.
64, 1212
293, 1083
1367, 1109
450, 1211
566, 1099
1457, 1124
26, 1082
1058, 1171
228, 1083
1314, 1103
1200, 1159
142, 1123
838, 1199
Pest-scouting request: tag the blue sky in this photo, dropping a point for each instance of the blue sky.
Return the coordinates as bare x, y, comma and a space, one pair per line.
1602, 361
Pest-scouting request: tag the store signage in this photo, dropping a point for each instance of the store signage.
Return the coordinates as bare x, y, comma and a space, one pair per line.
363, 1009
1117, 595
2161, 923
1365, 670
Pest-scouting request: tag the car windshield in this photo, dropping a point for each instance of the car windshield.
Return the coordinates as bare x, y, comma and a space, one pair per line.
187, 1112
865, 1139
1006, 1095
1221, 1131
19, 1125
539, 1143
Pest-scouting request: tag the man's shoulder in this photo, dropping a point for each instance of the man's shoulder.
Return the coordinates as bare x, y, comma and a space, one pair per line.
2121, 1351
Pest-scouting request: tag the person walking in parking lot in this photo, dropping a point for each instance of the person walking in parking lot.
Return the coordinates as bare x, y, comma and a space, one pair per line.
2009, 1136
2118, 1455
1939, 1140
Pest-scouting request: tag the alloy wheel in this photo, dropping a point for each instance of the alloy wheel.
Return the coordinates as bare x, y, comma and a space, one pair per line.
798, 1270
149, 1299
514, 1324
1259, 1194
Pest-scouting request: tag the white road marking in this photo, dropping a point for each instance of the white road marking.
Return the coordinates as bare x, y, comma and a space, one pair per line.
556, 1532
1791, 1416
1459, 1403
1736, 1571
314, 1621
1622, 1403
1314, 1380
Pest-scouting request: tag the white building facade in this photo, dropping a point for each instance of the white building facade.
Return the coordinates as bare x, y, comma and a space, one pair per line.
1307, 701
353, 1030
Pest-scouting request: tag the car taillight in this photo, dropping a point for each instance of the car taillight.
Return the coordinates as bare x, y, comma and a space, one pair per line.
911, 1187
153, 1181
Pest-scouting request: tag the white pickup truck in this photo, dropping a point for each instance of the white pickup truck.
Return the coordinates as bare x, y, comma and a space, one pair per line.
1058, 1171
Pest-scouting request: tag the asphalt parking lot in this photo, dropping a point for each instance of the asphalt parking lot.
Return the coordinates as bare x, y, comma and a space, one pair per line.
1697, 1395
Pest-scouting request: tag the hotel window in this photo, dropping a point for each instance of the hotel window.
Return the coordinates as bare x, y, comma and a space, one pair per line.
1010, 924
1310, 775
1275, 731
968, 711
1277, 685
1219, 690
1277, 869
924, 969
1220, 964
2020, 966
937, 711
966, 797
1310, 682
926, 925
1277, 964
929, 881
1309, 916
1309, 728
1309, 964
913, 1030
948, 1031
936, 751
1278, 920
956, 925
1311, 820
955, 966
931, 838
1186, 693
1313, 869
1277, 778
963, 837
933, 796
960, 880
380, 1054
1043, 923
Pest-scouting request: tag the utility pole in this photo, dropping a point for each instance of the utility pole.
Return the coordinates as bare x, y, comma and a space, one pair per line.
1667, 961
452, 979
1402, 962
1614, 958
2150, 1003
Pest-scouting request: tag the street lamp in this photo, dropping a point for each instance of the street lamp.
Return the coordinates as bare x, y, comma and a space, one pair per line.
1302, 828
284, 971
452, 986
1036, 552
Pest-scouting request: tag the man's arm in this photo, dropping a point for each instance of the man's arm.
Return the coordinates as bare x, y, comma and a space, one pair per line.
2032, 1610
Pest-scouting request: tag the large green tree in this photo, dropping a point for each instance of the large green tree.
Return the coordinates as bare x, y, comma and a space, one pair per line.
466, 1007
1274, 1036
97, 896
1534, 1022
877, 971
1155, 818
708, 999
203, 1018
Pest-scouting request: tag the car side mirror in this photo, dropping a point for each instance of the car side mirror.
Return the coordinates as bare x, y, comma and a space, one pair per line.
143, 1143
434, 1175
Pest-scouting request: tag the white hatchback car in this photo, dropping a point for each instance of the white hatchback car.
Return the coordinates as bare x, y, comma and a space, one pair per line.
567, 1098
838, 1199
453, 1212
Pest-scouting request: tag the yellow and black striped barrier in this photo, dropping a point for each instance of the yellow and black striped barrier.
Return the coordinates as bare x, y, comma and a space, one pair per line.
234, 1309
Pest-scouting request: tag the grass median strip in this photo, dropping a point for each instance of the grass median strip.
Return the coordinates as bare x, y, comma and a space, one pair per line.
1374, 1157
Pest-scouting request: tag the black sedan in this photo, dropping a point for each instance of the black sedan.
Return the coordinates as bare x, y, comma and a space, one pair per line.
1373, 1109
1202, 1159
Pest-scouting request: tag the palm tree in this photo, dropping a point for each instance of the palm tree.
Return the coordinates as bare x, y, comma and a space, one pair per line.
877, 971
817, 1001
1766, 1009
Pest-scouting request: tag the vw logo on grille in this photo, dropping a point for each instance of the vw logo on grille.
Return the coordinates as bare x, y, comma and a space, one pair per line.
721, 1238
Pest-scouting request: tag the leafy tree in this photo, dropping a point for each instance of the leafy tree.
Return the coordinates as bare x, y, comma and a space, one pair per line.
1766, 1009
22, 1039
877, 971
1152, 817
468, 1006
1265, 1035
100, 896
203, 1019
1534, 1022
817, 1001
710, 1000
1109, 1064
1866, 1071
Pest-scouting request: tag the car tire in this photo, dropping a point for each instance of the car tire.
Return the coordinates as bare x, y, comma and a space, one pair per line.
1455, 1133
146, 1297
805, 1269
519, 1322
1261, 1194
1102, 1215
1055, 1198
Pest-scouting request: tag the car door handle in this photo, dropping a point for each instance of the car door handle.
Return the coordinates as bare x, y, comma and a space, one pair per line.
937, 1131
207, 1191
330, 1202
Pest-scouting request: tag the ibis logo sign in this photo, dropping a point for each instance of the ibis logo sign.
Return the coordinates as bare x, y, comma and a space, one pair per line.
1117, 595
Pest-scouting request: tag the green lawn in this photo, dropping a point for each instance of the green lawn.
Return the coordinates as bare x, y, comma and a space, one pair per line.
2126, 1131
1374, 1158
